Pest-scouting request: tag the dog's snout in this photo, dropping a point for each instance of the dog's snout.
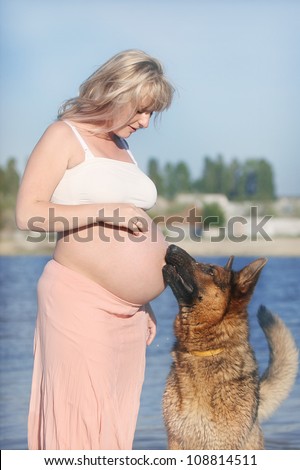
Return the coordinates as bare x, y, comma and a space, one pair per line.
176, 254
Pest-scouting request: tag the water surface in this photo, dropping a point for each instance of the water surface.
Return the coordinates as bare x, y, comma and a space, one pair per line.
278, 289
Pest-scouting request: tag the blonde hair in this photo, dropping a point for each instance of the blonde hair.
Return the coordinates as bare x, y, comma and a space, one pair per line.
131, 80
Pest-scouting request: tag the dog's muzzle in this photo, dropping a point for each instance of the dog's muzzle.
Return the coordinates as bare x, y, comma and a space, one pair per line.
178, 273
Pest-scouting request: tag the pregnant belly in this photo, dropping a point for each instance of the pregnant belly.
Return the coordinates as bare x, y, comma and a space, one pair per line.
127, 265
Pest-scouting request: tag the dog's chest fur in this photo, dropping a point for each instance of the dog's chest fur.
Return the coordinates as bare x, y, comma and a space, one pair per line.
214, 399
209, 413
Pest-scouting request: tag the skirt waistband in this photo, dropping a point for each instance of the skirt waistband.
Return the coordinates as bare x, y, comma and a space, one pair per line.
82, 285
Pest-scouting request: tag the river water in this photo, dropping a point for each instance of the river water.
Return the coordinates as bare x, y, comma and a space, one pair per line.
278, 289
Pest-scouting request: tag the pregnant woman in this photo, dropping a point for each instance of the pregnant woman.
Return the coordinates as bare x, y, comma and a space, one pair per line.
94, 319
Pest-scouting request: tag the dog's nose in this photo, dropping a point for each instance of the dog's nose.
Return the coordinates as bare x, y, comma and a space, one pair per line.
173, 249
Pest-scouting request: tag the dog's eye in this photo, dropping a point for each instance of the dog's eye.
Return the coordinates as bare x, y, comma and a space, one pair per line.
209, 270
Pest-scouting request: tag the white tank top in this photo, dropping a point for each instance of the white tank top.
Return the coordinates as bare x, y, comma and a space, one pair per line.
101, 180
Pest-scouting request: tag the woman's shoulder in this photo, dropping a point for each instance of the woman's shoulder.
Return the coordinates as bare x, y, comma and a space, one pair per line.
57, 138
57, 128
57, 134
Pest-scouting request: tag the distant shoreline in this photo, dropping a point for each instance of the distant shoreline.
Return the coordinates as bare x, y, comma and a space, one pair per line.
13, 244
284, 247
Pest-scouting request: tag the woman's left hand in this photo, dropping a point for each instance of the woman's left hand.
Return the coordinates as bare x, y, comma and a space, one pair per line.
151, 325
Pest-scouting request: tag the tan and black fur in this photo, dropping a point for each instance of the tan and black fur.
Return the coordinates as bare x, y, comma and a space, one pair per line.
214, 397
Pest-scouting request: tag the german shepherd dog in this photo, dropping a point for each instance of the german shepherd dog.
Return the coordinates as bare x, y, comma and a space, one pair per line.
214, 397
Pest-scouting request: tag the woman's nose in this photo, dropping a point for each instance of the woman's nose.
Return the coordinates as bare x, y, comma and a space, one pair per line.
144, 120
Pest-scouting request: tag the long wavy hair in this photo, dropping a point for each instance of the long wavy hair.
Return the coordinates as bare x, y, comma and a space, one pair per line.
131, 80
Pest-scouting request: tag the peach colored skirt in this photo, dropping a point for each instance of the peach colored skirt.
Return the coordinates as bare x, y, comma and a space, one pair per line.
89, 361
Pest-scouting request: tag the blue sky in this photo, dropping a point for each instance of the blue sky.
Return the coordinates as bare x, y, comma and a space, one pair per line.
235, 65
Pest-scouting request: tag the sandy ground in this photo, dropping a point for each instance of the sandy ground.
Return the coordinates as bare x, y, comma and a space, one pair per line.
16, 244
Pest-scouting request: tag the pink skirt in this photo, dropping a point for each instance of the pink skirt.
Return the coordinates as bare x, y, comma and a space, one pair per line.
89, 362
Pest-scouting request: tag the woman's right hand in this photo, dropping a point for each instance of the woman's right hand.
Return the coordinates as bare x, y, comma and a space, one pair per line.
126, 216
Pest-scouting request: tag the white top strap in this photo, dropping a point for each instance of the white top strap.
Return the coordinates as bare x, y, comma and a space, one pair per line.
88, 153
133, 159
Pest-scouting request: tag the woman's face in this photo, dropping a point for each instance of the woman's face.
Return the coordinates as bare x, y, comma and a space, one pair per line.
139, 121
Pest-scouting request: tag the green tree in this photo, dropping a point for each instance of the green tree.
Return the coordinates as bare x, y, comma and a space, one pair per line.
208, 181
214, 177
9, 184
176, 179
170, 186
234, 180
212, 214
252, 179
258, 180
183, 178
9, 178
220, 175
265, 181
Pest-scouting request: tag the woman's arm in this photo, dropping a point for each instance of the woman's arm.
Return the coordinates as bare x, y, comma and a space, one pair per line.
45, 168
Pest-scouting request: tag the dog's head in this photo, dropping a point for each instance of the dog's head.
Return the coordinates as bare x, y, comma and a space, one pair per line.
205, 290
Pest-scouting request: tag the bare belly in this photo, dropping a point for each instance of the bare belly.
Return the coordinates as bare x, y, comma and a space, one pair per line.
127, 265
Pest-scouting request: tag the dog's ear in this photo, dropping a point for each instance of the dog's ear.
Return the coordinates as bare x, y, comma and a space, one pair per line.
248, 276
228, 265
